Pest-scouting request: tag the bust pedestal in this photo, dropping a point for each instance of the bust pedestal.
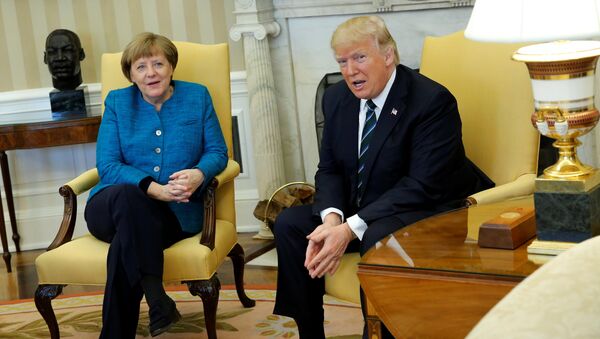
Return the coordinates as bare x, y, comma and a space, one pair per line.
69, 103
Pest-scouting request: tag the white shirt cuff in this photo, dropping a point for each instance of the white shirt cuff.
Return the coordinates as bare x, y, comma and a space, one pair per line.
357, 225
329, 210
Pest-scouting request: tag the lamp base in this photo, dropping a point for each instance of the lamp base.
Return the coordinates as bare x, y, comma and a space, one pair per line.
568, 166
264, 233
579, 184
567, 210
548, 248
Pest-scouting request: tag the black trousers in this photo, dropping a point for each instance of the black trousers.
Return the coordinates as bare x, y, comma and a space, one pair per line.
138, 229
298, 295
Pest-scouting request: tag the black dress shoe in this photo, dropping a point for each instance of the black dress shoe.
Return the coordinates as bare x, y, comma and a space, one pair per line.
161, 321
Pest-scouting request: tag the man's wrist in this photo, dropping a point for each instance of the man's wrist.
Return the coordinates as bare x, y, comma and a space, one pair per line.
348, 229
332, 219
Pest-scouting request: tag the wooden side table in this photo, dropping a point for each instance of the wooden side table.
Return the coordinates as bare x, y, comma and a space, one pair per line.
426, 281
37, 133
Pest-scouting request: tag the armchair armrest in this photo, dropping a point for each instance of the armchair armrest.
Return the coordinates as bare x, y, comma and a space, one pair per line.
523, 185
70, 191
90, 178
84, 181
210, 217
229, 173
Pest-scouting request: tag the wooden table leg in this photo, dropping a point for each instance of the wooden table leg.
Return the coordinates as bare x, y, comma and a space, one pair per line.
6, 253
373, 327
9, 199
372, 319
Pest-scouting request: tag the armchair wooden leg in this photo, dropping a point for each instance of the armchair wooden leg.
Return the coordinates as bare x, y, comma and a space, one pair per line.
237, 257
43, 302
208, 290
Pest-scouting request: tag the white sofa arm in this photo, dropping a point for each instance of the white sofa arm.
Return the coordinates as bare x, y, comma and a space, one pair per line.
559, 300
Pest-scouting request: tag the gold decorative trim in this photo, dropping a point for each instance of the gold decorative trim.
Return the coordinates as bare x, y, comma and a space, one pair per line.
562, 76
565, 110
560, 70
578, 105
584, 119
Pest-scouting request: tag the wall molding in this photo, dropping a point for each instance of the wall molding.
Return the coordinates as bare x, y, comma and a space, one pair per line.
36, 101
309, 8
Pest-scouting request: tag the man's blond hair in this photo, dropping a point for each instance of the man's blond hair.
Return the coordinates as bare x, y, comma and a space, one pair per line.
359, 29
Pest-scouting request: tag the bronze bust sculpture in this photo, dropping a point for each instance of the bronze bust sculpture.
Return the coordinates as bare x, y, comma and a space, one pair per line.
63, 55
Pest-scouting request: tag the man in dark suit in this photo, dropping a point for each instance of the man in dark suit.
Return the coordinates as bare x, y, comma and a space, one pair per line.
391, 154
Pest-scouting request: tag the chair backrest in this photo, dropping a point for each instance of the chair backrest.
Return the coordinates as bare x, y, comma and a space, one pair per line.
495, 102
204, 64
327, 80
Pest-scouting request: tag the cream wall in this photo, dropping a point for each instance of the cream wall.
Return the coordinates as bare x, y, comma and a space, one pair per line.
102, 26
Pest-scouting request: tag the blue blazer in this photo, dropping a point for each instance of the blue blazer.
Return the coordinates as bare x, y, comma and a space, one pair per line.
135, 141
416, 165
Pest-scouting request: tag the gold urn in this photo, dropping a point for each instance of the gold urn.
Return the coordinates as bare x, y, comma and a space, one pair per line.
562, 77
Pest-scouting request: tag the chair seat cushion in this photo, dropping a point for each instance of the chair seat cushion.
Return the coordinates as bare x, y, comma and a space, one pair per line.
82, 261
344, 283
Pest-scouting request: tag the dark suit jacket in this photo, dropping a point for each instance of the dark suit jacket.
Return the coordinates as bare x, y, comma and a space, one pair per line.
416, 164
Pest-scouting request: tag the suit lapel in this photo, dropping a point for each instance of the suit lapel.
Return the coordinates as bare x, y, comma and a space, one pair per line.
349, 152
392, 112
350, 144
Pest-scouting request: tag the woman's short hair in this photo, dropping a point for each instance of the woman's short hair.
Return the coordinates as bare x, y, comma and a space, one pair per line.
145, 45
359, 28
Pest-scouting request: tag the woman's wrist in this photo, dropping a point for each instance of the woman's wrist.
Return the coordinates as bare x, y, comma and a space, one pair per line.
145, 184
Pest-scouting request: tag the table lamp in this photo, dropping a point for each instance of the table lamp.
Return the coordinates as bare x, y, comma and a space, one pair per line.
562, 70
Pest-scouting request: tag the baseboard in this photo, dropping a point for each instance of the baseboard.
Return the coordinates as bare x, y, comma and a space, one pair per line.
248, 228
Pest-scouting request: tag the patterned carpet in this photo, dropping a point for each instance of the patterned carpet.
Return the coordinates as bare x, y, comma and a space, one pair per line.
80, 317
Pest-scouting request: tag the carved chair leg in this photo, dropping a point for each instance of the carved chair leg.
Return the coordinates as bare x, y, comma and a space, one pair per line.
208, 290
43, 301
237, 257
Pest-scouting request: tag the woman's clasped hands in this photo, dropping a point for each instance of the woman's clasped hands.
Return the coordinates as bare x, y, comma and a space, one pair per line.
184, 183
181, 186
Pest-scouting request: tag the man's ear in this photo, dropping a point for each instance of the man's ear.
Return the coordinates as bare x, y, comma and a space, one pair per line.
81, 55
389, 56
45, 58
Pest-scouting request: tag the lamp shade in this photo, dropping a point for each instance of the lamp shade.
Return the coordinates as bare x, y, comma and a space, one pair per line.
534, 20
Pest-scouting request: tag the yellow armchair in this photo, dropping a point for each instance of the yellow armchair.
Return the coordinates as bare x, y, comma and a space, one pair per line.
194, 261
495, 103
